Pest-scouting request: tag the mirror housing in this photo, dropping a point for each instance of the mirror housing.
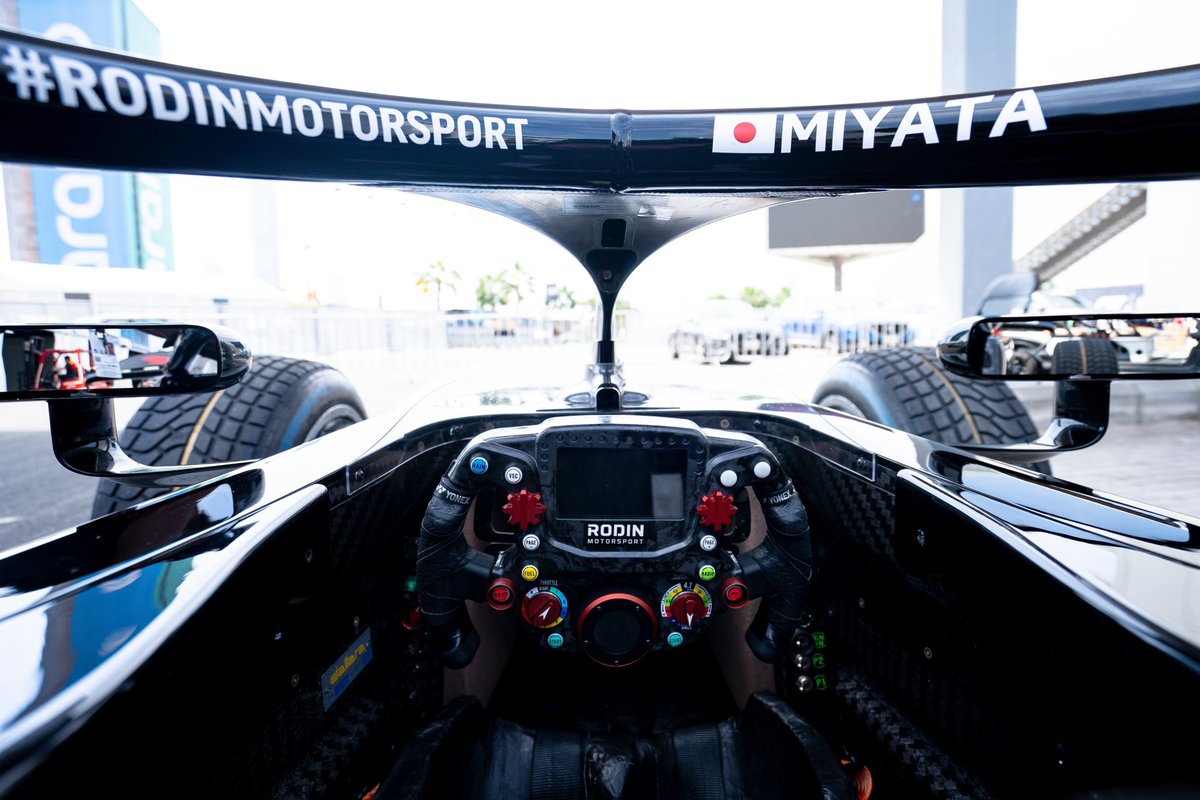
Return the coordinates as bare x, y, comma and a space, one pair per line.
1074, 347
1083, 353
80, 369
125, 359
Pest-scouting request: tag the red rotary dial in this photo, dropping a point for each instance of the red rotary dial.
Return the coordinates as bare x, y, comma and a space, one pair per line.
716, 510
524, 508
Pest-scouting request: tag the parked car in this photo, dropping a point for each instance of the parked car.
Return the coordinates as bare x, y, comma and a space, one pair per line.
725, 330
839, 323
638, 592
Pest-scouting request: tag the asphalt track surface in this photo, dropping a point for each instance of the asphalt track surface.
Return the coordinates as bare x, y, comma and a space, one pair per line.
1148, 454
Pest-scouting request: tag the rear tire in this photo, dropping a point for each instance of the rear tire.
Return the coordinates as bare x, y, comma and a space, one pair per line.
1085, 357
906, 388
283, 402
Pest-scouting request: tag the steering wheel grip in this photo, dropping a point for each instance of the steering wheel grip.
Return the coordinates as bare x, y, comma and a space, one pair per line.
450, 571
780, 571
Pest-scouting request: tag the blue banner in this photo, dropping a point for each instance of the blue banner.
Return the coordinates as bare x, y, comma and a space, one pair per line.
154, 244
86, 217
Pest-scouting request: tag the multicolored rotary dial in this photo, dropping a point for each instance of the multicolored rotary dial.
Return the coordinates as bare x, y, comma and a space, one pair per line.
686, 604
544, 607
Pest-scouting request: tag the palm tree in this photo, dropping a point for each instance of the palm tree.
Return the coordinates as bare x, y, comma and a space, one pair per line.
566, 298
437, 276
486, 292
519, 282
499, 288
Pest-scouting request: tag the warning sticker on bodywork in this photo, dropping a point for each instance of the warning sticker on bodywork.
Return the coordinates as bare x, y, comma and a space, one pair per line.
339, 676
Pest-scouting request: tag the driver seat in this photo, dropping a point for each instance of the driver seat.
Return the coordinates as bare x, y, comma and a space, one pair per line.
766, 751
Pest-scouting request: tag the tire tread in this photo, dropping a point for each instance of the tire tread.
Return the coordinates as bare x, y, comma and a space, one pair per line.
920, 384
1101, 358
236, 427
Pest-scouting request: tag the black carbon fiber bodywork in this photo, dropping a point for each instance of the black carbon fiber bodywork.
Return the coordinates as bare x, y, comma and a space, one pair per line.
939, 632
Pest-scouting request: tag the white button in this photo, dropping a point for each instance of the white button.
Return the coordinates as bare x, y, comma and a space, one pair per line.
708, 543
761, 469
728, 478
531, 542
513, 474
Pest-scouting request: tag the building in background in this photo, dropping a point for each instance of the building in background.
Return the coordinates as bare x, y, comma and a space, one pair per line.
81, 217
836, 230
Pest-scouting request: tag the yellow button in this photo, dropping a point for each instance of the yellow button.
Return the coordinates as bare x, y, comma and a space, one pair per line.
529, 572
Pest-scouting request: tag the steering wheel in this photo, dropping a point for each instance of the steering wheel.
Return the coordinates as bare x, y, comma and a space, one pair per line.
450, 571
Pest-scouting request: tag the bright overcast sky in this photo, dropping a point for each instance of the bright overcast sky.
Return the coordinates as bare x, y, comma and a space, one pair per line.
603, 55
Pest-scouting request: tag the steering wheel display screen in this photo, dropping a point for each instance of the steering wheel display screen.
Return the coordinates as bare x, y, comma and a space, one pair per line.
605, 483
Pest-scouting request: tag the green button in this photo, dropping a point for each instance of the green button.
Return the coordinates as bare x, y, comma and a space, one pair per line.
555, 641
708, 572
675, 638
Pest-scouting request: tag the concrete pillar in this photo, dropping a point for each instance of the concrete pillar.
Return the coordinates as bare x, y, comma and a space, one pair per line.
265, 232
979, 42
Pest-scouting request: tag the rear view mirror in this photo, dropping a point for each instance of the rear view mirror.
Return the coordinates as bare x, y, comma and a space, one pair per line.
1102, 346
53, 362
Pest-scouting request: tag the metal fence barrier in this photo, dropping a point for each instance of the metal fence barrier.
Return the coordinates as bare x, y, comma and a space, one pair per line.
850, 337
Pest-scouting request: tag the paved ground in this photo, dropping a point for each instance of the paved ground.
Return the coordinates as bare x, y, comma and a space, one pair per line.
37, 495
1149, 451
1147, 455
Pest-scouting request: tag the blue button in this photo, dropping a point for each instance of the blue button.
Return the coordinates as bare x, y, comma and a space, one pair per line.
479, 465
675, 638
555, 641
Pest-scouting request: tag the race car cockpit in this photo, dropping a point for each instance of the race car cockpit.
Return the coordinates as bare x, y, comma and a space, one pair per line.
604, 592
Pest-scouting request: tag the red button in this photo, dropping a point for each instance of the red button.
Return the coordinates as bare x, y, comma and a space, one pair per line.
501, 594
411, 617
734, 592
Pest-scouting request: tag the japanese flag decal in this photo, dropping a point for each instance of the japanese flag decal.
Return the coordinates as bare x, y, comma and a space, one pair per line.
744, 133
